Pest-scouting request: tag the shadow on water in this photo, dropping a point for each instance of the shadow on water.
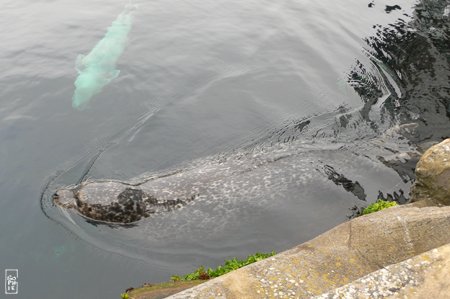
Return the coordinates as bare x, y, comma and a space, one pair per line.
410, 60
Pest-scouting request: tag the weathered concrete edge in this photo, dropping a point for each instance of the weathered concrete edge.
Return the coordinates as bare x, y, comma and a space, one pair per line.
317, 266
414, 278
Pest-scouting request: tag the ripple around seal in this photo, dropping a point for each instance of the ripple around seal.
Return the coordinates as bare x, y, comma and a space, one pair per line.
243, 188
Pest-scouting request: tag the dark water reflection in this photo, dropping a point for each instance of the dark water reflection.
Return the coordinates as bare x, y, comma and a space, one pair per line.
414, 56
197, 79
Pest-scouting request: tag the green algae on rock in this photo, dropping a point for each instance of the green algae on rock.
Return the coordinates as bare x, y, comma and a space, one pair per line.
229, 265
378, 206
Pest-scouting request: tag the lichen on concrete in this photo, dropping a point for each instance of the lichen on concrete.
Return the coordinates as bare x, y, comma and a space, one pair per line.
423, 276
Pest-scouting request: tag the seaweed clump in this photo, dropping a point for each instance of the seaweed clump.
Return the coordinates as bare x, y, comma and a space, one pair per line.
378, 206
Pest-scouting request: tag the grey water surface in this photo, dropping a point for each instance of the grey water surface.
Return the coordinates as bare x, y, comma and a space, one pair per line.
329, 91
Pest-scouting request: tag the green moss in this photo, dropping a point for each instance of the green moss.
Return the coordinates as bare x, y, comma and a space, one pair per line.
378, 206
202, 274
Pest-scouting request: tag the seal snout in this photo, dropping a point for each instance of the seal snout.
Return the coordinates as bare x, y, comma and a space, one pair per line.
65, 198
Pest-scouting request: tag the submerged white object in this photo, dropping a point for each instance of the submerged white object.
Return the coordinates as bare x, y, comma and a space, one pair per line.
98, 68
